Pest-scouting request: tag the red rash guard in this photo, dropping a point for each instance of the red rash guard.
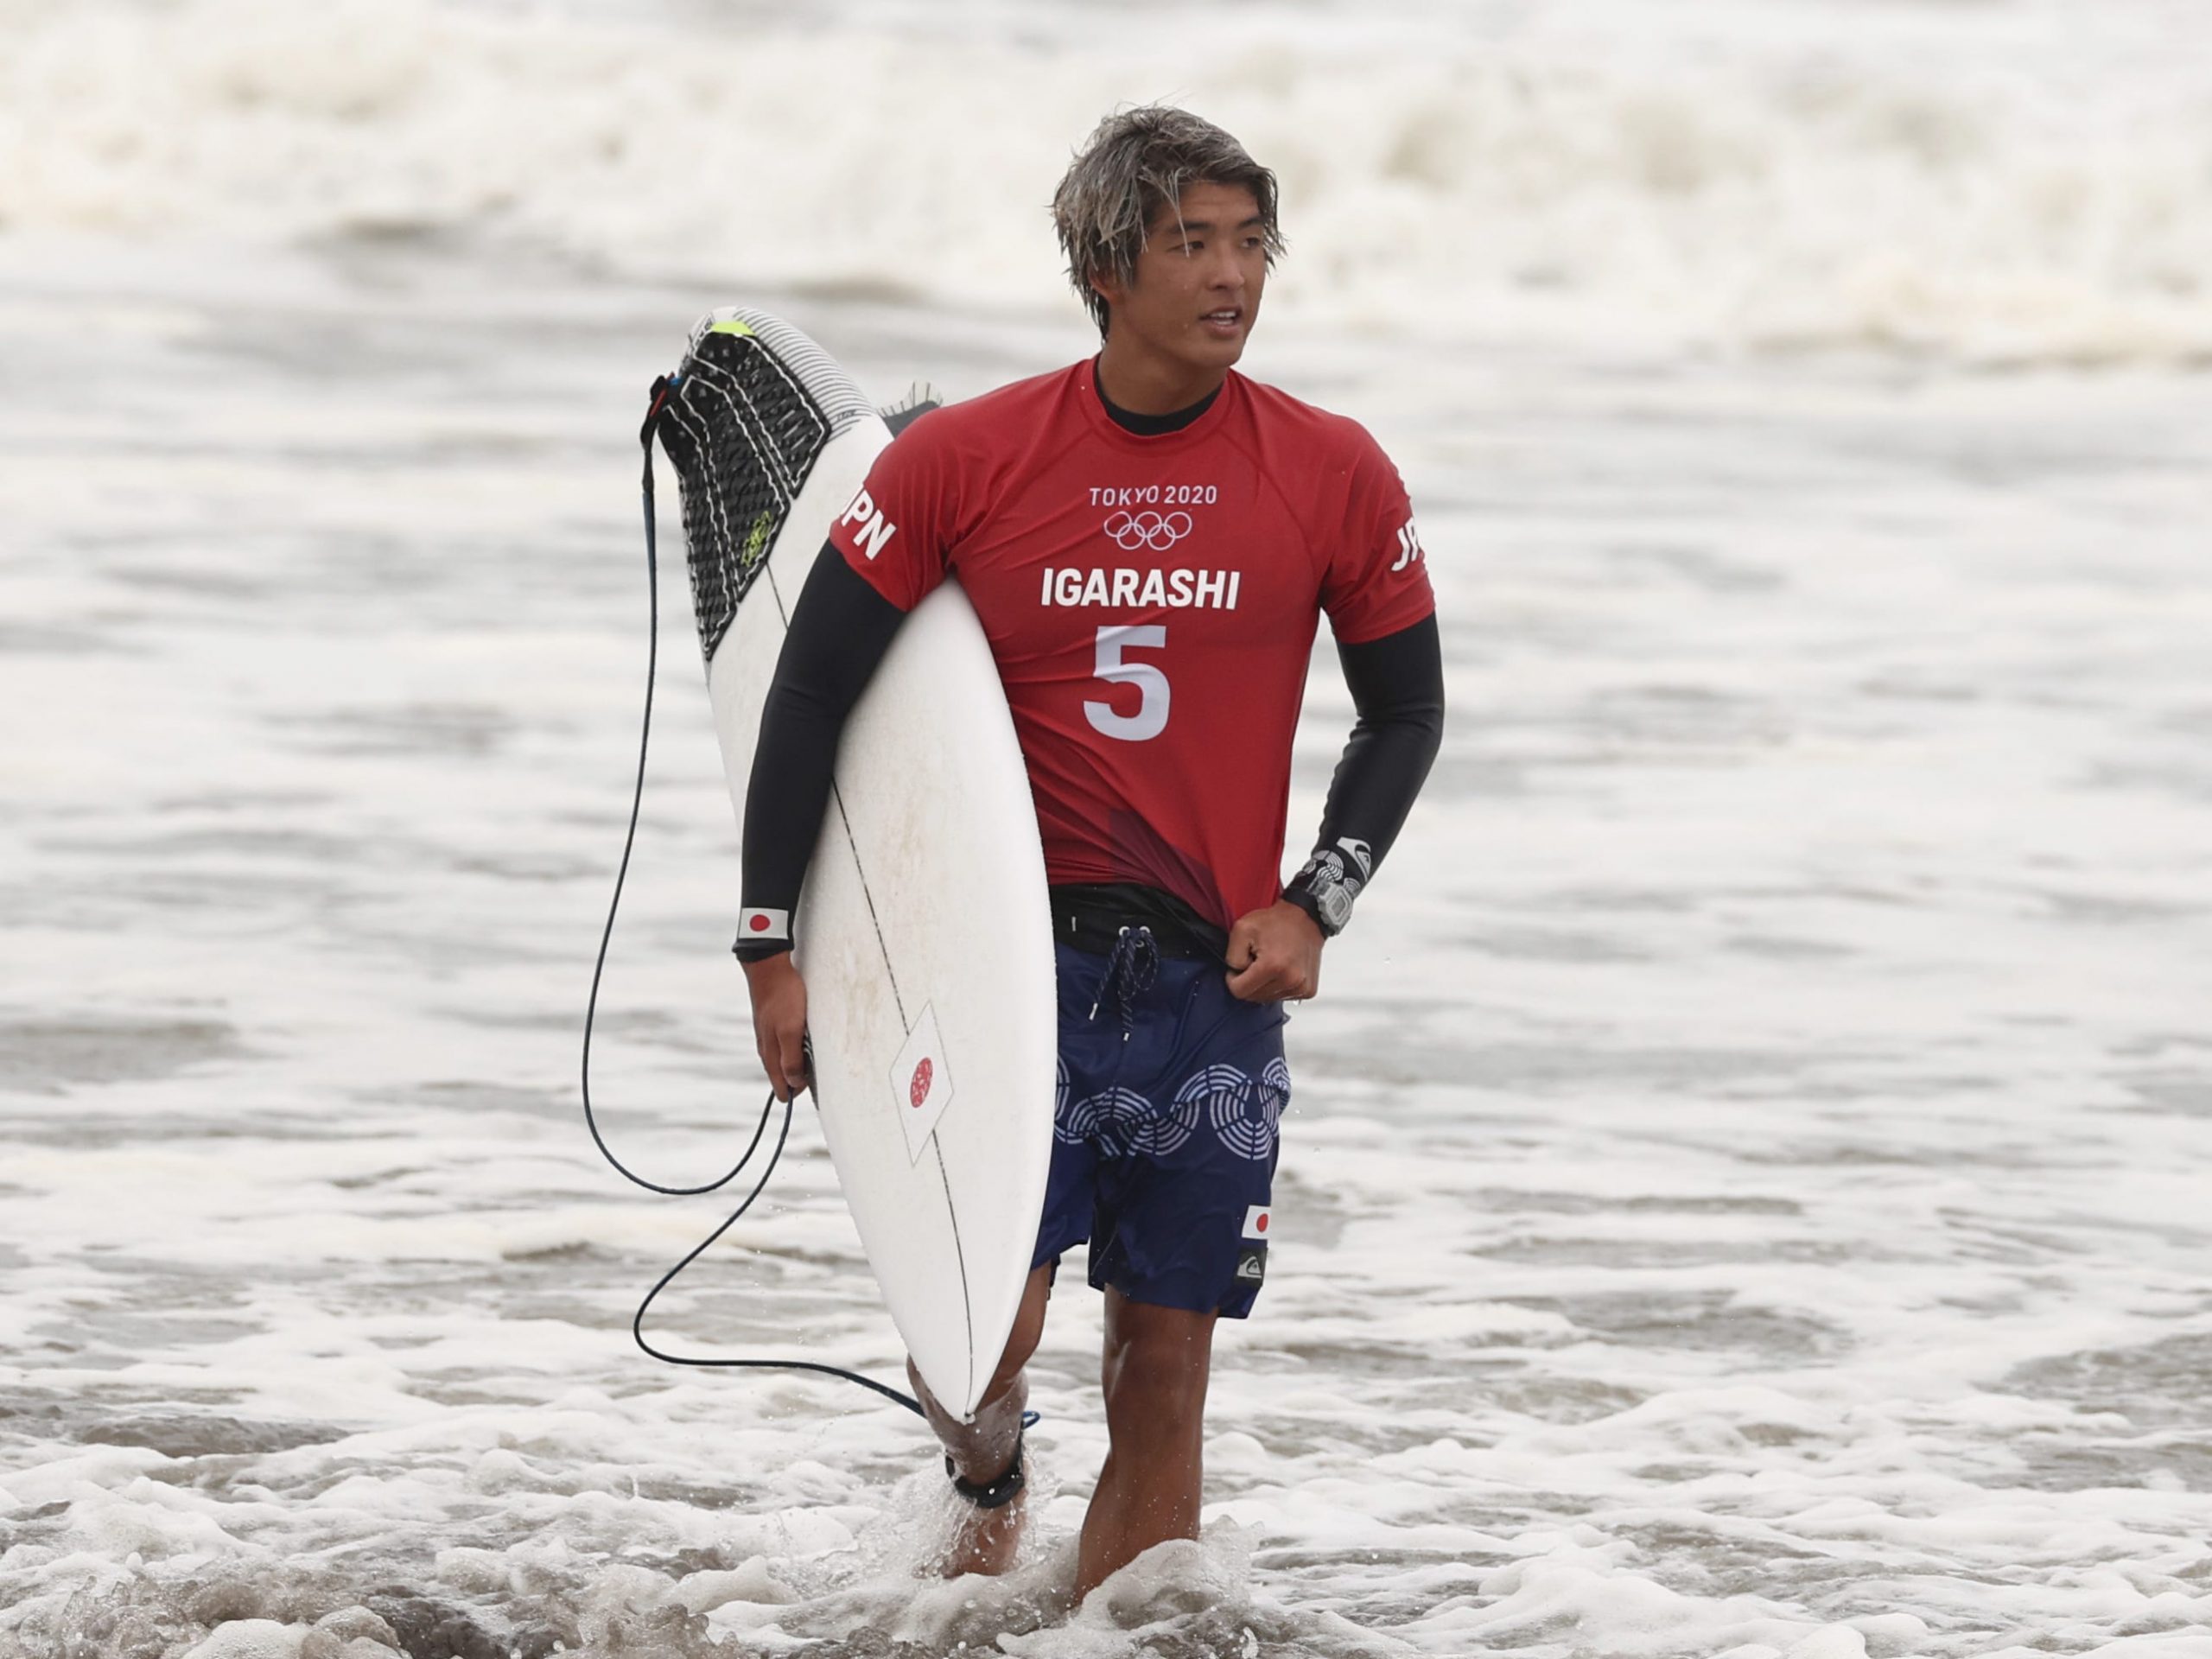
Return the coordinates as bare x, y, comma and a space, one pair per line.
1151, 603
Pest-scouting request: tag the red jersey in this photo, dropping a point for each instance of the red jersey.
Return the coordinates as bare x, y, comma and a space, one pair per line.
1151, 603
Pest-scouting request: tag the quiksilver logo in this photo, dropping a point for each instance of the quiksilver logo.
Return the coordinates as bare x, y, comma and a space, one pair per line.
874, 531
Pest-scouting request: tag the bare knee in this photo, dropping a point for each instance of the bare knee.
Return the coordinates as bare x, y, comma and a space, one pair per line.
1155, 1371
1021, 1344
1028, 1330
1155, 1392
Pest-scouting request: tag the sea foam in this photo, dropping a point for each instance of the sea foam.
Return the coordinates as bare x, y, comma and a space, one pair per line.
1993, 184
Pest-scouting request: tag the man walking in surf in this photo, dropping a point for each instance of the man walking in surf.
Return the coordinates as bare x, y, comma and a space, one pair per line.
1149, 539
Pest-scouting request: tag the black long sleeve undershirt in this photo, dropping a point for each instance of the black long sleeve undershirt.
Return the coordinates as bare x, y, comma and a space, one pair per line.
1397, 692
840, 630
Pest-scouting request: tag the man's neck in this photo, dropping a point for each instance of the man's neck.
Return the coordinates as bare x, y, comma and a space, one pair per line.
1145, 385
1150, 426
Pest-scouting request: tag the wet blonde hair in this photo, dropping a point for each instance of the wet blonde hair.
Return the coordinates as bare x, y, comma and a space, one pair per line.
1137, 162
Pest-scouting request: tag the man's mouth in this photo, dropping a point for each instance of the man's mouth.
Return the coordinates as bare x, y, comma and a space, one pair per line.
1227, 317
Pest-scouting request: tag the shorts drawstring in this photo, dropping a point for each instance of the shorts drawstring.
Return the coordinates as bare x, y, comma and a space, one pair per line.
1129, 972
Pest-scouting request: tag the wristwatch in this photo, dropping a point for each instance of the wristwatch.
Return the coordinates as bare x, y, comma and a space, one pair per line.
1322, 892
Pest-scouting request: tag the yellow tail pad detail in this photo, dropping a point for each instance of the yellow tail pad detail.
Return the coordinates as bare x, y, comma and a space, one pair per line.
731, 326
757, 539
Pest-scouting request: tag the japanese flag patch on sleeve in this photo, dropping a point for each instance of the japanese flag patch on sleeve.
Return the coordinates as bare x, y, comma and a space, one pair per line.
765, 926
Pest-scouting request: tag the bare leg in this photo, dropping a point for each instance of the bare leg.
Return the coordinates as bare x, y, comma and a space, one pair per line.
1154, 1374
983, 1450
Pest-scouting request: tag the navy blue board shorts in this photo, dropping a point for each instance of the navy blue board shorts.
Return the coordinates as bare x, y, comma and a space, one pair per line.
1165, 1130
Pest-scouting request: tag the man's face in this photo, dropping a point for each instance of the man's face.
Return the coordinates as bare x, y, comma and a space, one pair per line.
1197, 281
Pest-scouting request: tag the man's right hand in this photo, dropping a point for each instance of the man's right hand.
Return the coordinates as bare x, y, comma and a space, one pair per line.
779, 1022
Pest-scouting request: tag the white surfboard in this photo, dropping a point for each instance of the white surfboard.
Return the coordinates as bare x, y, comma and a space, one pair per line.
923, 931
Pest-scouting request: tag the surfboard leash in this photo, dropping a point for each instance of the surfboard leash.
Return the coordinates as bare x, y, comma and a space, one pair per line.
638, 1320
661, 389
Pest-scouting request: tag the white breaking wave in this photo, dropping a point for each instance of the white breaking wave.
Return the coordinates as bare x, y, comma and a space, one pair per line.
2001, 183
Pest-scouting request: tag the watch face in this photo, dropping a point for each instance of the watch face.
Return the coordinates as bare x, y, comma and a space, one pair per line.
1336, 905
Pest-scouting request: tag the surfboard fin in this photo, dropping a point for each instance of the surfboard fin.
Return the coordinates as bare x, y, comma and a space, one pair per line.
921, 397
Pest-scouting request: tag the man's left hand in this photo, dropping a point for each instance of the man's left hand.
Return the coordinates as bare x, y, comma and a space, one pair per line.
1274, 955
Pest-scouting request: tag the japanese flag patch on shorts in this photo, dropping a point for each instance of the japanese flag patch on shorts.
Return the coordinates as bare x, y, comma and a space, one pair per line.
1252, 1253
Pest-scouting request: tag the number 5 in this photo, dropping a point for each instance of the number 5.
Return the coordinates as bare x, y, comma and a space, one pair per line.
1151, 717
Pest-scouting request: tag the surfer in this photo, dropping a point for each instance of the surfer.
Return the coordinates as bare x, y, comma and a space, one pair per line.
1149, 539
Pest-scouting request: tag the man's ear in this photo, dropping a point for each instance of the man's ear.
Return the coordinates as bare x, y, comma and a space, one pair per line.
1108, 288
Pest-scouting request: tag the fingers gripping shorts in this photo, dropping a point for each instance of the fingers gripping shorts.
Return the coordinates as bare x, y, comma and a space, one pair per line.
1165, 1130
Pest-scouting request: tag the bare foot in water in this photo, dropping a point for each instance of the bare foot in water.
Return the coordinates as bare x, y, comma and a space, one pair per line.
984, 1541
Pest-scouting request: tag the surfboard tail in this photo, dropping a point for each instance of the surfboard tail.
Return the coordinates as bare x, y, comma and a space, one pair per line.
744, 417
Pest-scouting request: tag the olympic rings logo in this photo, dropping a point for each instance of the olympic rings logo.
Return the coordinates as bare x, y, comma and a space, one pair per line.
1132, 530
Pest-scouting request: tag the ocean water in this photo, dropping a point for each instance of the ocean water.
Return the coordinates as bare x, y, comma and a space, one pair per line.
1994, 180
1743, 1195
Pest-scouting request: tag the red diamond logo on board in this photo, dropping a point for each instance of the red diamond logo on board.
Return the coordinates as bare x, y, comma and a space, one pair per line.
919, 1083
